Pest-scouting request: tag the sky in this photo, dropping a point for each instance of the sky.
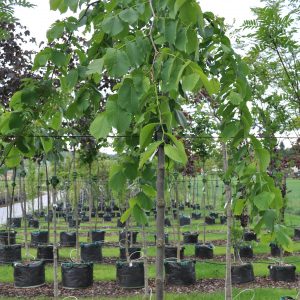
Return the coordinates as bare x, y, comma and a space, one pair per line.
39, 19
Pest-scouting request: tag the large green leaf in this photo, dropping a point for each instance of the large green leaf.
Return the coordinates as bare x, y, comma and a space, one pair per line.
173, 153
139, 215
144, 201
95, 67
261, 154
47, 144
263, 200
117, 178
56, 120
101, 126
112, 25
151, 149
127, 96
116, 62
171, 31
129, 15
146, 134
13, 158
56, 31
282, 238
54, 4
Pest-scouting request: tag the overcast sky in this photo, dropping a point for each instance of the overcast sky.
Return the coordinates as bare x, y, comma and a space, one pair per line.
39, 19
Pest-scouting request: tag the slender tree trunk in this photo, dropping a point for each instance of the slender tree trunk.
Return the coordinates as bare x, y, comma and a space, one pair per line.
76, 204
11, 203
55, 258
160, 218
146, 275
90, 196
48, 200
216, 192
228, 284
204, 203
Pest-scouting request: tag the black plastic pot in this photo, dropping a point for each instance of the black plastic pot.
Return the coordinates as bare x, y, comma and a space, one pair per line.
287, 298
210, 220
171, 252
246, 252
275, 250
180, 272
48, 218
184, 220
214, 215
282, 272
181, 207
297, 233
107, 217
242, 273
204, 251
166, 238
196, 216
10, 254
29, 275
134, 253
190, 237
250, 236
167, 222
197, 206
223, 219
85, 219
68, 239
39, 237
120, 224
4, 237
130, 275
122, 236
33, 223
15, 222
97, 235
91, 252
45, 252
77, 275
72, 223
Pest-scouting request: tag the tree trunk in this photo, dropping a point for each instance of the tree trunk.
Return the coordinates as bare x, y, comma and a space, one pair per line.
48, 200
160, 219
11, 202
55, 258
146, 275
204, 202
76, 204
90, 197
228, 285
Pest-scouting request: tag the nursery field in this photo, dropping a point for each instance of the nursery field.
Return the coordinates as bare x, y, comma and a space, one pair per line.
210, 273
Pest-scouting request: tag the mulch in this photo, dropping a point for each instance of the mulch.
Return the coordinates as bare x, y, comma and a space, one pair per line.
111, 289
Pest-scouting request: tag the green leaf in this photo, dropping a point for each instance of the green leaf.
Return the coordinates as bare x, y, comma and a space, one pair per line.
13, 158
151, 149
262, 155
69, 82
58, 58
56, 120
54, 4
282, 238
101, 126
129, 15
239, 206
146, 134
181, 39
180, 118
189, 12
178, 5
144, 201
117, 178
117, 62
149, 190
117, 117
230, 130
189, 82
139, 215
47, 144
56, 31
112, 25
126, 215
235, 98
179, 148
127, 96
171, 31
269, 218
16, 120
72, 4
95, 67
263, 200
173, 153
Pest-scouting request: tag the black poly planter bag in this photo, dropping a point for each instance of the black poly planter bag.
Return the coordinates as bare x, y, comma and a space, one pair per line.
242, 274
120, 224
250, 236
39, 237
275, 250
196, 216
45, 252
10, 254
4, 237
76, 276
190, 237
107, 218
68, 239
15, 222
29, 275
246, 252
223, 220
297, 233
204, 251
91, 252
167, 222
33, 223
184, 220
210, 220
130, 275
214, 215
180, 273
134, 253
282, 273
97, 235
171, 252
72, 223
